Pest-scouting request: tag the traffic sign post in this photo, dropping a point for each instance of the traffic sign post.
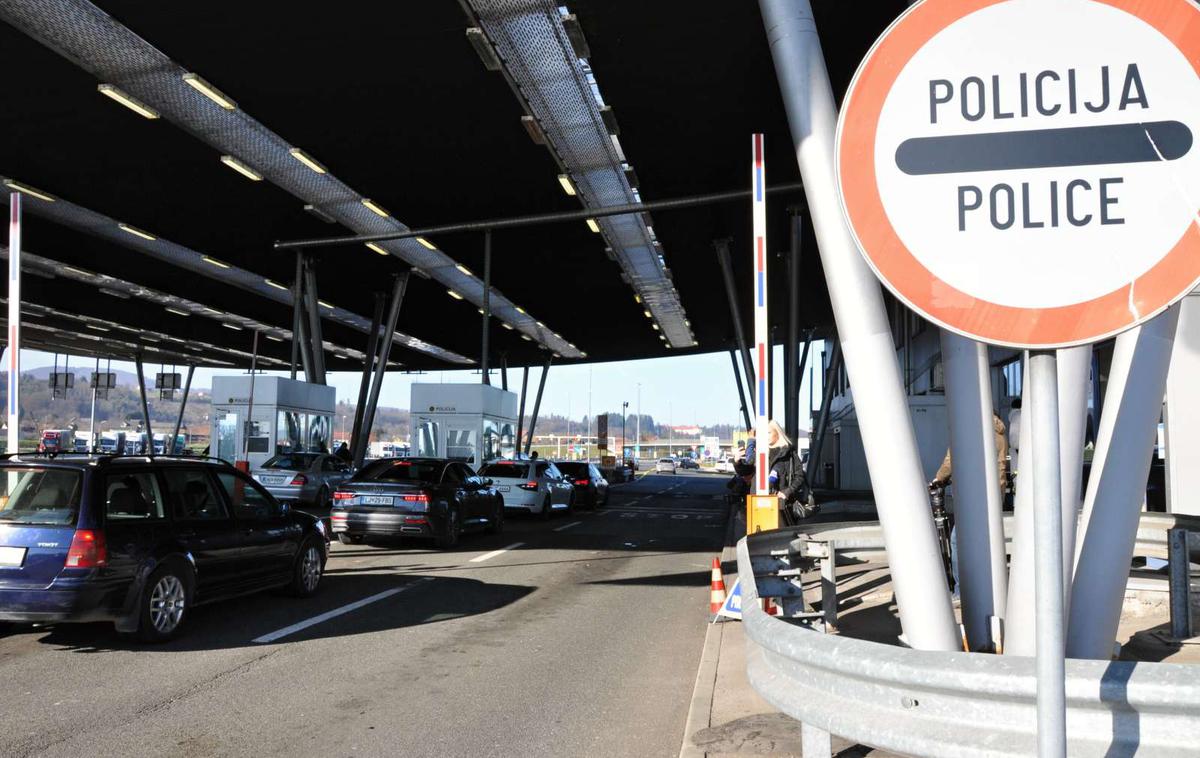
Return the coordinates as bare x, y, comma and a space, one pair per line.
1014, 177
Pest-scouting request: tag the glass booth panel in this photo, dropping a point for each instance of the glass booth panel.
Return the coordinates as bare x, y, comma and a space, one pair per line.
290, 432
491, 440
508, 445
427, 434
319, 433
461, 444
227, 437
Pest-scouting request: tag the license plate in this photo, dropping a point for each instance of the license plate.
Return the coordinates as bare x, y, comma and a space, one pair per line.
376, 500
12, 556
273, 479
504, 488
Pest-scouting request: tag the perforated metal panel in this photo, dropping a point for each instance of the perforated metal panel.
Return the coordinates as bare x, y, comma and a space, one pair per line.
532, 43
97, 43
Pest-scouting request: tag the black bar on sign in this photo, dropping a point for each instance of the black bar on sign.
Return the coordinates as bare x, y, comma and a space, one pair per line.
1045, 148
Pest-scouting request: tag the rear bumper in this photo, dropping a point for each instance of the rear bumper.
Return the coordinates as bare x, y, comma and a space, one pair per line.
389, 524
86, 603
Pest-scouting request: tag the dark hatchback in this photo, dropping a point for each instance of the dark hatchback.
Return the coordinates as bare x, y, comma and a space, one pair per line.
591, 488
431, 498
139, 541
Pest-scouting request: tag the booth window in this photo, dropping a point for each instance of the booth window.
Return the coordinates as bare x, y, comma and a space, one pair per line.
508, 446
460, 444
318, 434
227, 437
491, 439
290, 432
427, 436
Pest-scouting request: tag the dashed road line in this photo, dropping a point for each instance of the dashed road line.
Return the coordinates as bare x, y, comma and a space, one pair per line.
301, 625
494, 553
565, 527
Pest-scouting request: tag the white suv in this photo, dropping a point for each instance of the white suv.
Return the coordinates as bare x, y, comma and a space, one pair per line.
544, 492
666, 465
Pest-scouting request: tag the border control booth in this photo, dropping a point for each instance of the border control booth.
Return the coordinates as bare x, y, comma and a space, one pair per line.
472, 423
287, 416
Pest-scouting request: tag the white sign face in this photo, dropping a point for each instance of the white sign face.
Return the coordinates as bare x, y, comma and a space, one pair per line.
1024, 171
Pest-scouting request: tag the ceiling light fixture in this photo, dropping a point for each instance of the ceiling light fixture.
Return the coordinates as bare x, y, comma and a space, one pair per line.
374, 207
324, 304
463, 269
655, 327
214, 261
314, 210
591, 222
77, 271
114, 293
228, 325
24, 190
377, 248
483, 48
132, 104
526, 338
209, 91
273, 338
212, 310
241, 168
97, 327
276, 285
304, 158
506, 325
565, 181
136, 232
177, 312
454, 294
521, 310
646, 314
637, 299
426, 243
534, 130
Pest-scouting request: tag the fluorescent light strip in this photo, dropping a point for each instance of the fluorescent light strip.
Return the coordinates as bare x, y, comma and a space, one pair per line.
228, 325
276, 285
132, 104
591, 222
24, 190
375, 208
526, 338
241, 168
324, 304
304, 158
209, 91
136, 232
506, 325
177, 312
377, 248
77, 272
273, 338
426, 243
214, 261
463, 269
565, 181
454, 294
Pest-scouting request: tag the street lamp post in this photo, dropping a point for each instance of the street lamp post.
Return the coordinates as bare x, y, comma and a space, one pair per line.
624, 412
637, 445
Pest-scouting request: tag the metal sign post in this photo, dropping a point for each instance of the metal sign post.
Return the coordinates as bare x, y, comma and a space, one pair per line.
1009, 181
14, 321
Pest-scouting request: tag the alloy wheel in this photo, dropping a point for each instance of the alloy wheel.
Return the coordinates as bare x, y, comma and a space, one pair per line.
310, 568
167, 602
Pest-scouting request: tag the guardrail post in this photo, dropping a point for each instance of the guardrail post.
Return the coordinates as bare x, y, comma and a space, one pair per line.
1180, 583
829, 607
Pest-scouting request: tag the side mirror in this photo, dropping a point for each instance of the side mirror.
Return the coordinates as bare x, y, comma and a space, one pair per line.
487, 482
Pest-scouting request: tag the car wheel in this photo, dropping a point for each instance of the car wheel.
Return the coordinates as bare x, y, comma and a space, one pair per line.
350, 539
165, 601
546, 509
310, 566
453, 528
497, 521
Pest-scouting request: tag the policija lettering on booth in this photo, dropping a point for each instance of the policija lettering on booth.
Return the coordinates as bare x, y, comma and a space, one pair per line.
1054, 202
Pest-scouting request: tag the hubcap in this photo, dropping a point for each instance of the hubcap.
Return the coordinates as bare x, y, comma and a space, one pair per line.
167, 603
310, 568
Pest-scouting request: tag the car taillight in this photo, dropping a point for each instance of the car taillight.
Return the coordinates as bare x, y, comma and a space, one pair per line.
528, 486
88, 549
415, 520
339, 516
422, 498
581, 482
340, 495
300, 480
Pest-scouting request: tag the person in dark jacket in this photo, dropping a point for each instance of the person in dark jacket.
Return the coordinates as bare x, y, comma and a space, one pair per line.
786, 478
343, 453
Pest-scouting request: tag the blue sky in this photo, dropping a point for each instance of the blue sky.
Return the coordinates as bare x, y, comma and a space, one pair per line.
683, 390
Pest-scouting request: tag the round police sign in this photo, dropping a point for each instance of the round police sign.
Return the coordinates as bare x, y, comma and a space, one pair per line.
1024, 171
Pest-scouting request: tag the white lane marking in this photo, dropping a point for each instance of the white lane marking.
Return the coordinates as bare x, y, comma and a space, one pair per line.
565, 527
288, 630
494, 553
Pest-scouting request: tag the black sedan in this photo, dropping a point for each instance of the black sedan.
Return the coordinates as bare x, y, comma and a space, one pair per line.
689, 463
591, 488
431, 498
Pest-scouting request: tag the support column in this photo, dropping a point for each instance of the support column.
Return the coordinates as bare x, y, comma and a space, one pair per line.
313, 307
737, 377
521, 413
817, 440
792, 369
735, 315
800, 374
1074, 366
887, 431
365, 383
381, 361
487, 305
504, 371
982, 568
1117, 485
93, 440
537, 404
145, 406
187, 388
249, 425
1182, 416
1019, 637
297, 292
14, 323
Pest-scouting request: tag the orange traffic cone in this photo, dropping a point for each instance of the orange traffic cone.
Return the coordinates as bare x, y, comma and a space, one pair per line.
717, 596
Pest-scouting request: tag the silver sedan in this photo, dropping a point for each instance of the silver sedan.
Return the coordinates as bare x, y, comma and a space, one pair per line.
303, 478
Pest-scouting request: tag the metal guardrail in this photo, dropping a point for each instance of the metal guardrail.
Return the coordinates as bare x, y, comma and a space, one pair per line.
955, 705
1183, 550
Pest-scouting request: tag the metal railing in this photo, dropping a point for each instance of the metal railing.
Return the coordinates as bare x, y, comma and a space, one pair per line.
924, 703
1183, 549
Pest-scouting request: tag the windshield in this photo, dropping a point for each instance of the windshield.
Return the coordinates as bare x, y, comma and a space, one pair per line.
401, 470
292, 462
505, 470
572, 468
665, 460
39, 495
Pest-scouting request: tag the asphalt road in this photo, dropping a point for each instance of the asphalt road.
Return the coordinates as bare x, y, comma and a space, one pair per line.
581, 638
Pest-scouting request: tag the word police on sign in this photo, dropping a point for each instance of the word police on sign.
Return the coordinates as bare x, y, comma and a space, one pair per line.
1023, 171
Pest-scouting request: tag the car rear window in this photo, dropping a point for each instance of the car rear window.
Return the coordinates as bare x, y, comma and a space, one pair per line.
665, 460
39, 495
293, 462
573, 468
505, 470
401, 470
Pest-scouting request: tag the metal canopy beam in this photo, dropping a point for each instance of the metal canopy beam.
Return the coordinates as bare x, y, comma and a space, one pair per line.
537, 404
400, 284
735, 315
313, 306
737, 377
373, 340
187, 388
141, 377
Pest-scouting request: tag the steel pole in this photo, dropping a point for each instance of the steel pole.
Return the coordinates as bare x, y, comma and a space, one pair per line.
487, 305
1048, 540
14, 324
537, 405
145, 406
92, 439
385, 350
1019, 613
1074, 366
792, 370
187, 388
737, 377
800, 376
504, 372
817, 441
364, 384
735, 315
297, 289
866, 336
314, 323
250, 404
1117, 485
979, 521
521, 413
